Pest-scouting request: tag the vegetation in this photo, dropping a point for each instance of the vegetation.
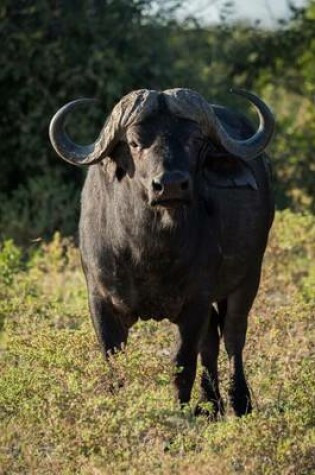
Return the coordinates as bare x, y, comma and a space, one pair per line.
57, 51
63, 410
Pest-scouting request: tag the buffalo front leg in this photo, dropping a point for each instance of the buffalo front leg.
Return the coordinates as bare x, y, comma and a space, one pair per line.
235, 327
109, 326
191, 323
209, 352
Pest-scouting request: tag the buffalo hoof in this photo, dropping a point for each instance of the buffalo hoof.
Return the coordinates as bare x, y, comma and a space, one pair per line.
212, 410
241, 403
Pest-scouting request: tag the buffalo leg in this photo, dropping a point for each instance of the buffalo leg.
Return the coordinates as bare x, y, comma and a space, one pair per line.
190, 325
109, 328
235, 326
209, 352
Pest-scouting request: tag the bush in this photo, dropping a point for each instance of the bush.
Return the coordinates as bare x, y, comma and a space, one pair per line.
39, 208
10, 265
10, 262
53, 52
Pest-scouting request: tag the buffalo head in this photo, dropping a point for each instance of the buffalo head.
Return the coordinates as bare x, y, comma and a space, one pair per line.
159, 139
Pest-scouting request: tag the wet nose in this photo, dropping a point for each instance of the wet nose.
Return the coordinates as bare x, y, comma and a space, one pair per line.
171, 185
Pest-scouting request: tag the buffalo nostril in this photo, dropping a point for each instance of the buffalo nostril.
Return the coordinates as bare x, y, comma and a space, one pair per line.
184, 185
158, 187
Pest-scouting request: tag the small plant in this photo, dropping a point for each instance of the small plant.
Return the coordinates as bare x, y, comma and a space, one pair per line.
10, 265
10, 261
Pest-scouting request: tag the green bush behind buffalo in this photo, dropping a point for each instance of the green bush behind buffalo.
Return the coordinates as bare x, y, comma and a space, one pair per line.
53, 52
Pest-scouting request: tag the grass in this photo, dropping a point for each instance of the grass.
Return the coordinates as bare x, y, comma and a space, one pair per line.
63, 410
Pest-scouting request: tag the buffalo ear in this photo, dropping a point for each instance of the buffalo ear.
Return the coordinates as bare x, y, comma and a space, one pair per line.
121, 162
222, 170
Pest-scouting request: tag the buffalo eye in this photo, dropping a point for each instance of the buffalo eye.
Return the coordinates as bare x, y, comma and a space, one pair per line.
194, 142
133, 144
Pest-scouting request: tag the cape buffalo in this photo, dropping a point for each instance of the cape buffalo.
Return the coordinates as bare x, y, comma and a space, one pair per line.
176, 211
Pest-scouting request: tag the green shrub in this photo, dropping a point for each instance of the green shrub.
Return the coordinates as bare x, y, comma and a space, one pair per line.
39, 208
292, 250
10, 262
53, 52
10, 265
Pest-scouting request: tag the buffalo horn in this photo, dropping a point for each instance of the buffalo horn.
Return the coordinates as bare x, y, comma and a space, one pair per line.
63, 145
253, 146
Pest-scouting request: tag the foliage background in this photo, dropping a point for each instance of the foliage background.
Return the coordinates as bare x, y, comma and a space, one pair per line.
57, 50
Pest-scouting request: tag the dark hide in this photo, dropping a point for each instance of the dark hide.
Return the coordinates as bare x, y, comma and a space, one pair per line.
170, 226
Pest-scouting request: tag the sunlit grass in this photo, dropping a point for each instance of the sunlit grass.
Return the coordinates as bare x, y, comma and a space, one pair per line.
63, 410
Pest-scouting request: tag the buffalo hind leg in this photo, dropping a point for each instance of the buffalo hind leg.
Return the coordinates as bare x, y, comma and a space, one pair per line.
209, 352
235, 326
111, 332
191, 323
